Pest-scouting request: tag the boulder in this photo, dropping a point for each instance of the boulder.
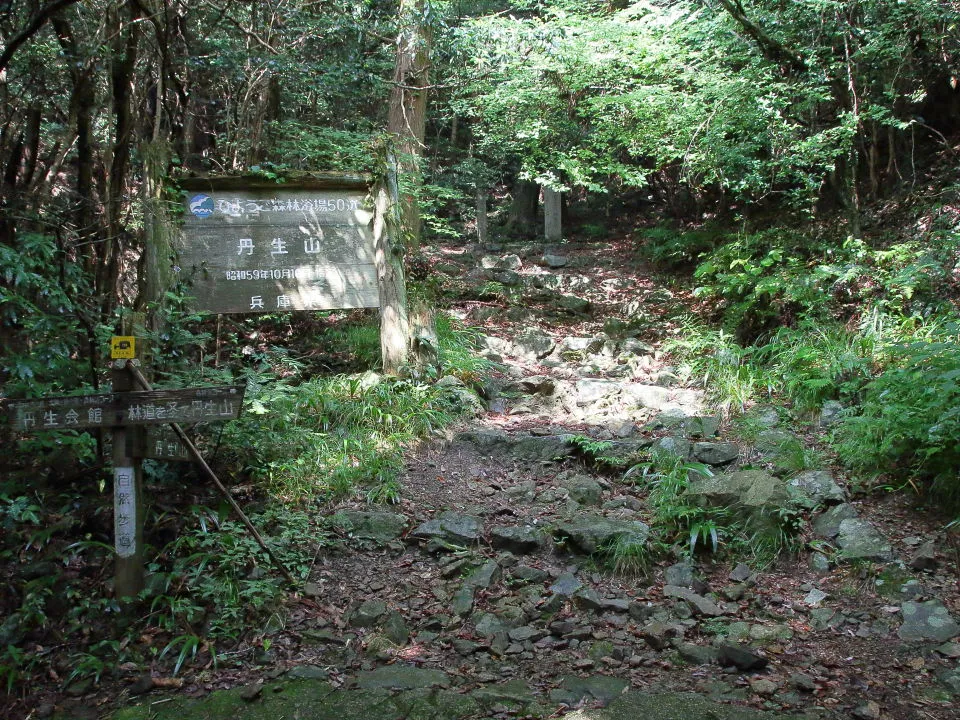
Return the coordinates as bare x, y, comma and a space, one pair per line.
369, 614
701, 605
771, 444
925, 557
537, 385
527, 574
485, 439
546, 281
740, 657
929, 621
681, 574
831, 413
591, 392
546, 447
765, 416
402, 677
572, 303
860, 540
512, 692
827, 524
701, 426
754, 489
626, 451
450, 527
601, 688
672, 446
668, 706
484, 576
381, 527
518, 539
584, 489
395, 629
489, 625
566, 585
815, 487
697, 654
462, 604
650, 396
509, 278
658, 634
716, 453
590, 533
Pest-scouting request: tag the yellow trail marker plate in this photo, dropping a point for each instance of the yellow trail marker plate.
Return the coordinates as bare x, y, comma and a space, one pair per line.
123, 347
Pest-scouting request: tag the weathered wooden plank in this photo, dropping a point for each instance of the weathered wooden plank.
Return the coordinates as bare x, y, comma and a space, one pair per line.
155, 407
309, 181
157, 442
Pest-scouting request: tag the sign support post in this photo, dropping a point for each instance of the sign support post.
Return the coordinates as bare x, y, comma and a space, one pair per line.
128, 505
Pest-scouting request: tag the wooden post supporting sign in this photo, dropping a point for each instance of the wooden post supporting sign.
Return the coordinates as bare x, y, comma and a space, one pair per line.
127, 483
126, 412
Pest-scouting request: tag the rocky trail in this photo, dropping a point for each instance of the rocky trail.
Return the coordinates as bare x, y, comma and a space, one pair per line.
495, 590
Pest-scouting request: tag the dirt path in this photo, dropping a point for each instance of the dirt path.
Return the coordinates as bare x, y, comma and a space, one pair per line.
490, 579
488, 583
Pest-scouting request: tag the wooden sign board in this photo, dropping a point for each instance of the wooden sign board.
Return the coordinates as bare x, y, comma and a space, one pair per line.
273, 249
154, 407
157, 442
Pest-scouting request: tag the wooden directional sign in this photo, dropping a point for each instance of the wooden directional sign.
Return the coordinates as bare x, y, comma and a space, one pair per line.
157, 442
273, 248
155, 407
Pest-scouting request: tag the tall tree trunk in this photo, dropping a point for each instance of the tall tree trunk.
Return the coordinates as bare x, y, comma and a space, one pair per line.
124, 51
388, 257
83, 100
407, 115
406, 121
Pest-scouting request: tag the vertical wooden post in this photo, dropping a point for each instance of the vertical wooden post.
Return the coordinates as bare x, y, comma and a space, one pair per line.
127, 498
552, 214
388, 258
482, 222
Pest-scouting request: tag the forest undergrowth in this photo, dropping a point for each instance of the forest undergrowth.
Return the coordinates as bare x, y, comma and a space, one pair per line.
797, 319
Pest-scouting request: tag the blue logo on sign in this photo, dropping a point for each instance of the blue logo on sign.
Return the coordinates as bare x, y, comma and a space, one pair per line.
201, 206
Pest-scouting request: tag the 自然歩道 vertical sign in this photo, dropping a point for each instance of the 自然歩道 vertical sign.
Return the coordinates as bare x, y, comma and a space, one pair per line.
274, 248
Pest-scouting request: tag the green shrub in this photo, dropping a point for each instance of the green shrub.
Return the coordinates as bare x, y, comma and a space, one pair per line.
44, 320
815, 362
667, 478
727, 370
207, 580
910, 418
698, 528
673, 248
763, 280
333, 436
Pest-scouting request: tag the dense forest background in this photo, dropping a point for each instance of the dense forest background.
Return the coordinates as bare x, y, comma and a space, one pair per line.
794, 164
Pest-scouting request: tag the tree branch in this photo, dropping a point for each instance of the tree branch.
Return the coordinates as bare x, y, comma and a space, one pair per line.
775, 51
32, 28
772, 48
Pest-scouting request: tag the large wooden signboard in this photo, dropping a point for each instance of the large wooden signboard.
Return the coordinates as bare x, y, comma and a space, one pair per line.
154, 407
272, 248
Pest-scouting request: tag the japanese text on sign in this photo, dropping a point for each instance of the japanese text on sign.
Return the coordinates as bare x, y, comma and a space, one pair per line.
267, 250
189, 405
124, 511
